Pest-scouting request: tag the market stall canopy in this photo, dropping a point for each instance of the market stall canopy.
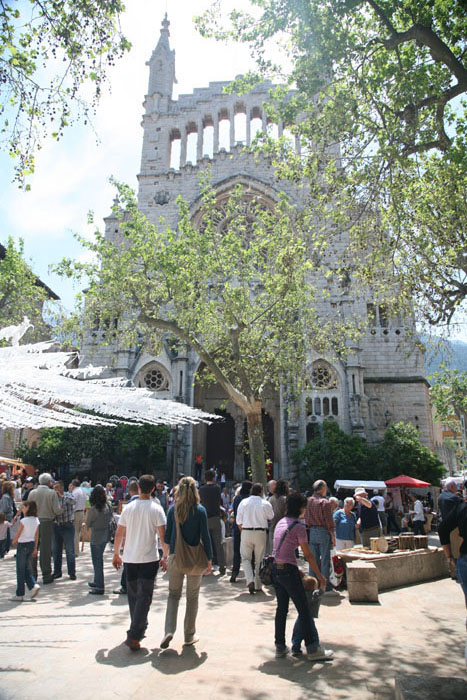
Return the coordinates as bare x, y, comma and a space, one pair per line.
38, 389
346, 484
407, 481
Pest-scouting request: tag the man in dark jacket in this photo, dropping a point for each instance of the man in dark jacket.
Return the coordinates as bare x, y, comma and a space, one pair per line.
210, 497
457, 517
448, 498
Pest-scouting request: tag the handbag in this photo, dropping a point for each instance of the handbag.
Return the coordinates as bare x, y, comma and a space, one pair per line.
189, 559
112, 526
265, 570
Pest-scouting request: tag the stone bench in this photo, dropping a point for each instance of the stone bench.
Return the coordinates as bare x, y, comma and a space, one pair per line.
402, 568
362, 582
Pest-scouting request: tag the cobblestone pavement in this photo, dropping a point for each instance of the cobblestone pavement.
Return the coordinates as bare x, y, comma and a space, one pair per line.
68, 644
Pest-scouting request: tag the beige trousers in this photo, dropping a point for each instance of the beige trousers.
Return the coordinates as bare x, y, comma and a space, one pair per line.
193, 584
252, 541
79, 518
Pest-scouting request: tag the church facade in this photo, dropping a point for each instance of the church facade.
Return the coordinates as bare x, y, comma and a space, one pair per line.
381, 380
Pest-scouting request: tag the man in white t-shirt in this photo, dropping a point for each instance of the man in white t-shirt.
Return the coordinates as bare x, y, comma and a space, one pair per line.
378, 500
138, 526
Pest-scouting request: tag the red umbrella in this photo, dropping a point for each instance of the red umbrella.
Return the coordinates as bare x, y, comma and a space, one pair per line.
407, 481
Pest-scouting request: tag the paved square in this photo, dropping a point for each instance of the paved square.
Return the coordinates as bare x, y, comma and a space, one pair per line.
69, 644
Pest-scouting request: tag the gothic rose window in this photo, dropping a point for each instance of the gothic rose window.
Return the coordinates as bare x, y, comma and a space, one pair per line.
322, 377
155, 380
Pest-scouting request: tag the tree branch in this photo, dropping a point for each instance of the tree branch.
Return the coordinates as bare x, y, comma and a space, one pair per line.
171, 327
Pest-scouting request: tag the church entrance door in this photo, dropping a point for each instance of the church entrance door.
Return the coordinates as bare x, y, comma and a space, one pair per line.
220, 444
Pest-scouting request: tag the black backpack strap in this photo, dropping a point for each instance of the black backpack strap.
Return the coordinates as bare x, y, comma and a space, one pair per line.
285, 535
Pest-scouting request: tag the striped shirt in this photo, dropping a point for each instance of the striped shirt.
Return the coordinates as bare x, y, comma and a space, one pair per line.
318, 513
67, 502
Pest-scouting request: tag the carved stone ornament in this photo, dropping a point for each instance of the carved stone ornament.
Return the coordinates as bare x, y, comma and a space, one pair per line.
162, 197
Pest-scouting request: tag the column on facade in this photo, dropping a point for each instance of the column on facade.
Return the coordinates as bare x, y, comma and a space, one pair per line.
215, 123
280, 129
199, 143
232, 127
264, 121
248, 126
183, 145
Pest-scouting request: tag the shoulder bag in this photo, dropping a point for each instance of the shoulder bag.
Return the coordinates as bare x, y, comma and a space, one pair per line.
265, 570
189, 559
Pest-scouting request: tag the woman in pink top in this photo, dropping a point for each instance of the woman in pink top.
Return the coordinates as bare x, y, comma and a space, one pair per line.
290, 533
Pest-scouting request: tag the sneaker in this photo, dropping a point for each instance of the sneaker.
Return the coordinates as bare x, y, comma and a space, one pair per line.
251, 588
233, 579
281, 651
222, 570
166, 641
120, 591
320, 654
297, 653
96, 591
17, 598
91, 584
72, 577
132, 644
34, 591
191, 642
56, 575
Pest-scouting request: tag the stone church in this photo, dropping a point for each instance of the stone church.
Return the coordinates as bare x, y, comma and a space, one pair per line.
380, 382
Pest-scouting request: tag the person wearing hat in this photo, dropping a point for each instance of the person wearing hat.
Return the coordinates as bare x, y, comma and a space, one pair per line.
368, 519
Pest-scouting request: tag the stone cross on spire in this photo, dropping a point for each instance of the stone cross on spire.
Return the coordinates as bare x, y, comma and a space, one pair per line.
162, 64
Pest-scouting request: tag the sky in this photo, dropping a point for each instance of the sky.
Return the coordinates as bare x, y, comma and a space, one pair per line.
72, 175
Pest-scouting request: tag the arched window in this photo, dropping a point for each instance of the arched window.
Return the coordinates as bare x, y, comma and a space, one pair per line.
154, 378
322, 376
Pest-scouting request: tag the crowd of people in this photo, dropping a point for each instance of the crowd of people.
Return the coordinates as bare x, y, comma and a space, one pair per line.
182, 531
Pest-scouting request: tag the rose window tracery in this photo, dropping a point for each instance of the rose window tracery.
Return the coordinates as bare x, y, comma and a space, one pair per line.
155, 380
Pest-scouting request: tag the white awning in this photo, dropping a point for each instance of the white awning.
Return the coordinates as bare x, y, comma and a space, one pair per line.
38, 390
347, 484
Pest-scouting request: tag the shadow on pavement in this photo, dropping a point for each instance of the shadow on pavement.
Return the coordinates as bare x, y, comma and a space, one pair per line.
169, 661
373, 667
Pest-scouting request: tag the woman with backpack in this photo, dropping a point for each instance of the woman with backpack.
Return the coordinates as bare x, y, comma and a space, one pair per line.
290, 533
190, 555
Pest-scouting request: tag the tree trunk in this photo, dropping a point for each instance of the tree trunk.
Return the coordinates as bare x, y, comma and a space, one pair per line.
254, 421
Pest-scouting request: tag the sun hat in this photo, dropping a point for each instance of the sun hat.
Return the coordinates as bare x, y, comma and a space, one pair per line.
360, 492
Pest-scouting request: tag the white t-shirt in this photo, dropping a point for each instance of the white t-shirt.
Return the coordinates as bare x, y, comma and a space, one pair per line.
379, 503
141, 519
30, 525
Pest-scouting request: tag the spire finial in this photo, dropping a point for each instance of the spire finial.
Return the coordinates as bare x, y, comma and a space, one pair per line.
165, 25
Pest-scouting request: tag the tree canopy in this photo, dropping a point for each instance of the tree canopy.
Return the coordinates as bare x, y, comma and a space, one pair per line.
233, 283
21, 292
124, 449
375, 90
49, 50
449, 393
332, 454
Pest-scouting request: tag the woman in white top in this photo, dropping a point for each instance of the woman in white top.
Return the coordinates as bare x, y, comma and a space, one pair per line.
27, 541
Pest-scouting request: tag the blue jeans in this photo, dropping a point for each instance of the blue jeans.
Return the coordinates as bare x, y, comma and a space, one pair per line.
320, 545
97, 556
461, 568
24, 567
64, 535
288, 584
